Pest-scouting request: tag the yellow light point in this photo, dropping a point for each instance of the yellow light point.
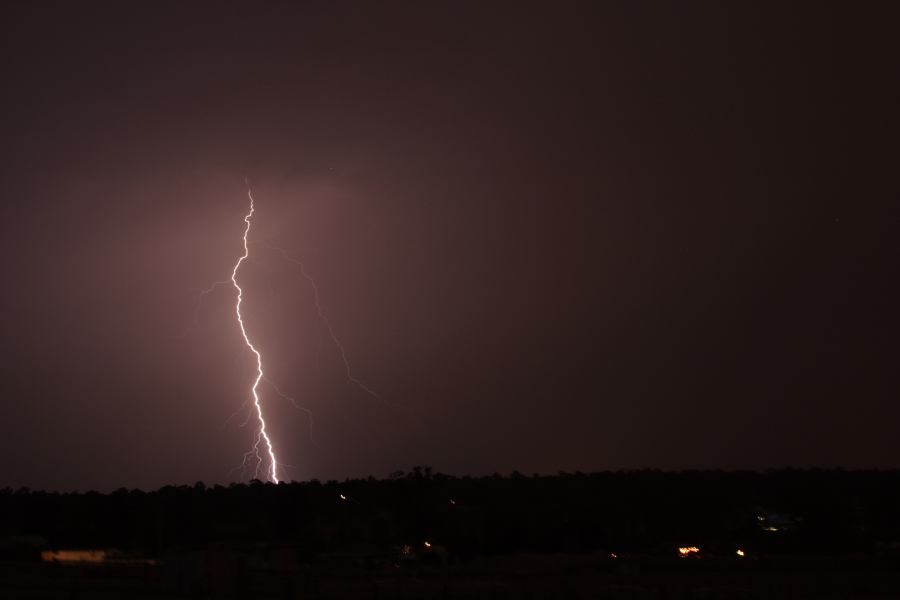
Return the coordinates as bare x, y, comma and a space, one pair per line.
273, 470
688, 550
343, 497
740, 553
428, 544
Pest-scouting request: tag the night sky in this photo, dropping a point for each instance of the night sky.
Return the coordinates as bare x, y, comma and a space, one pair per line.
558, 236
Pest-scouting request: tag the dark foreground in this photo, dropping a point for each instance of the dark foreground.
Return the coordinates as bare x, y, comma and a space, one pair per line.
551, 576
784, 534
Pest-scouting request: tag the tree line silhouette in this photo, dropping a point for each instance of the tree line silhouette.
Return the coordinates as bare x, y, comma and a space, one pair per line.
777, 512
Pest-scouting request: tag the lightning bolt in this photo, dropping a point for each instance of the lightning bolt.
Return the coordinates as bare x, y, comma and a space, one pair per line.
262, 435
261, 443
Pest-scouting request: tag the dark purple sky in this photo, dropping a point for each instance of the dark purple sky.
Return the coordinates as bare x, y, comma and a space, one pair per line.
557, 236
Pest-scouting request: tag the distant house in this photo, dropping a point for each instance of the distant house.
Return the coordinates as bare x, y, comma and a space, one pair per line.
75, 556
95, 557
